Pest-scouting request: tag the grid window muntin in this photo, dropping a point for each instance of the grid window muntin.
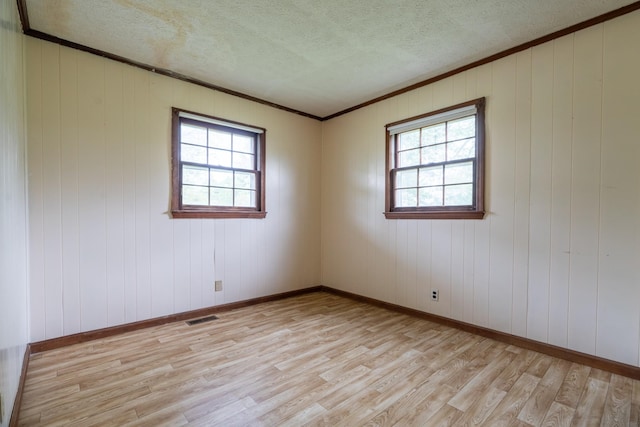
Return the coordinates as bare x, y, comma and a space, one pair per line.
435, 164
434, 182
218, 168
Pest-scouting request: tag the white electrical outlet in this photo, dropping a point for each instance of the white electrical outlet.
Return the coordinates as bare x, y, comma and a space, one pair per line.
218, 285
435, 295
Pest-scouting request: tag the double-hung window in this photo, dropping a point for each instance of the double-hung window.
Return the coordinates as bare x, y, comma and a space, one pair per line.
218, 168
435, 164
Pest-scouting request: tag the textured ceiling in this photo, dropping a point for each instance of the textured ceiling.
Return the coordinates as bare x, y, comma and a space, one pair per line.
316, 56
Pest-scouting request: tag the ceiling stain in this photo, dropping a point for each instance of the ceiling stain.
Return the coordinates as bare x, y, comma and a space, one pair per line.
59, 13
169, 46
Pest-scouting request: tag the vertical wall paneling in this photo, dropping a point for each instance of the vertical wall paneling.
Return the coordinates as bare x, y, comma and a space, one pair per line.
585, 189
114, 191
193, 254
233, 260
456, 300
552, 260
211, 262
104, 250
617, 329
37, 292
540, 197
14, 287
91, 192
129, 197
140, 151
561, 189
184, 241
521, 208
401, 251
69, 183
424, 250
51, 203
501, 177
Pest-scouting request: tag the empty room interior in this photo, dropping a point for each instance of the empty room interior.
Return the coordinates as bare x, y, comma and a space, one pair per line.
319, 213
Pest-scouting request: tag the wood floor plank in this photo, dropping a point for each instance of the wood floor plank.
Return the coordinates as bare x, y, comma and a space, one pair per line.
535, 410
573, 385
510, 406
482, 407
558, 415
617, 407
470, 392
318, 360
591, 405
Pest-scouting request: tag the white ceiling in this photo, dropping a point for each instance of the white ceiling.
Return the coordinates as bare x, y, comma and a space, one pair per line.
316, 56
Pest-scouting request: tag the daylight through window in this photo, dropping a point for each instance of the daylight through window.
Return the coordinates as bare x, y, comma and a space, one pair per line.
218, 168
435, 164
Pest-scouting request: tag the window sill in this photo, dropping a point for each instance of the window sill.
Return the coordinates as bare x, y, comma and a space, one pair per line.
218, 215
448, 214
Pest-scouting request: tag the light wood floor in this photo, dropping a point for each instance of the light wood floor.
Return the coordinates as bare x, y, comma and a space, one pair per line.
317, 359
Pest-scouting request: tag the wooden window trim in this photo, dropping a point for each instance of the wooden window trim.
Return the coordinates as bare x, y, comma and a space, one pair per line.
440, 212
179, 211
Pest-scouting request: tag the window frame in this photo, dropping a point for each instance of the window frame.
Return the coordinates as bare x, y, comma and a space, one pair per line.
475, 211
178, 210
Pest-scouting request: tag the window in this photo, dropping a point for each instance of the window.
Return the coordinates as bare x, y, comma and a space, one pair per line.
435, 164
217, 168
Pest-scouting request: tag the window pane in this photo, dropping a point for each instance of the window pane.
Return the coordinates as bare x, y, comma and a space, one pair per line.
406, 179
433, 154
219, 139
193, 154
195, 176
461, 128
192, 195
431, 196
245, 198
406, 198
221, 196
458, 195
243, 161
409, 158
430, 176
433, 134
243, 143
193, 134
463, 149
458, 173
245, 180
408, 140
220, 158
221, 178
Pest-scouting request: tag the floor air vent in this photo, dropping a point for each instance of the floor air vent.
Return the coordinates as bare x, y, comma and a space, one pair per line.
201, 320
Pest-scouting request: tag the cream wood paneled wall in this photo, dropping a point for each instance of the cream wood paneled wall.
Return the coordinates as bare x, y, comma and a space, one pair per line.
103, 248
14, 309
556, 257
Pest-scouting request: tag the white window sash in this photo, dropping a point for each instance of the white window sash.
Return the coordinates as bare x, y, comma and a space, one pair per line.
432, 120
186, 115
